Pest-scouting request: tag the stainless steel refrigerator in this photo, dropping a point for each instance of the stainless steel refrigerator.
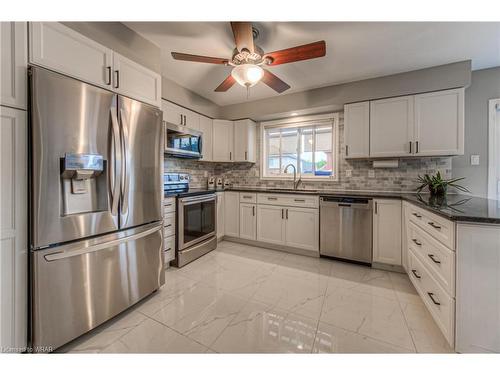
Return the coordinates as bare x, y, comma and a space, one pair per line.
95, 206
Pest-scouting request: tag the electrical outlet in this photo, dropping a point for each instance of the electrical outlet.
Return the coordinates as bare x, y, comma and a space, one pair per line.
348, 173
371, 173
474, 160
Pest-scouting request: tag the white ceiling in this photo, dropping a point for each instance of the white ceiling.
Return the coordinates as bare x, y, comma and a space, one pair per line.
355, 51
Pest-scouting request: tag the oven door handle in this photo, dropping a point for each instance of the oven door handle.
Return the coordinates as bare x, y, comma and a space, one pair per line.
197, 199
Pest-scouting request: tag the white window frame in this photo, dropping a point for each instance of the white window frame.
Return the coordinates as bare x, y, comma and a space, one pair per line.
298, 122
494, 148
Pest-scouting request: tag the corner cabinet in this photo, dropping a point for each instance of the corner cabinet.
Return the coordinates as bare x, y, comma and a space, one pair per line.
387, 231
60, 48
13, 229
245, 148
13, 59
357, 130
223, 139
207, 141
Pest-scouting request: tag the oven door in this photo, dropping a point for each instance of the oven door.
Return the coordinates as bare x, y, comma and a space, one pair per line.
197, 219
183, 142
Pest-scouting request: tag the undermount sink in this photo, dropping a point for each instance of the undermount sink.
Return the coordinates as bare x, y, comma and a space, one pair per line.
295, 190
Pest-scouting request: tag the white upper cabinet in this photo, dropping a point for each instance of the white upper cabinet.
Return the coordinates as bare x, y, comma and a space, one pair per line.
177, 115
13, 228
357, 130
439, 123
59, 48
391, 126
134, 80
207, 129
13, 62
223, 140
62, 49
245, 132
191, 119
387, 231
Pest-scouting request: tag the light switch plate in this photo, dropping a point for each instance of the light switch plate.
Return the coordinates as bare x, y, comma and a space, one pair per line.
348, 173
474, 160
371, 173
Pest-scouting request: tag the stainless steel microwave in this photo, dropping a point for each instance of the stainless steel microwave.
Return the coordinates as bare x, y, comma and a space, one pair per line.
183, 142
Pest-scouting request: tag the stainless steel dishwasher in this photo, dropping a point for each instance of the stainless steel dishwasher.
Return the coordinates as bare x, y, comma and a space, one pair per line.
346, 228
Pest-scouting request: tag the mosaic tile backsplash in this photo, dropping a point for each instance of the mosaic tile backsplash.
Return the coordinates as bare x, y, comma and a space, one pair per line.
402, 178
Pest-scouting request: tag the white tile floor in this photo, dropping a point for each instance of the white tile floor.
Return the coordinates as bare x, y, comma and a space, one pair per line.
245, 299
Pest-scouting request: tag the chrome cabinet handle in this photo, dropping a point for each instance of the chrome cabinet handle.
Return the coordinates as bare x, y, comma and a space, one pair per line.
287, 213
416, 147
416, 242
434, 225
299, 200
168, 225
117, 81
246, 155
181, 120
272, 198
376, 208
230, 155
108, 68
431, 296
282, 213
410, 147
417, 215
433, 259
414, 272
253, 210
346, 150
247, 197
167, 249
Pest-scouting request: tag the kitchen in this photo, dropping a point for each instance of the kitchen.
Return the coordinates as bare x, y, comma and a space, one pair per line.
172, 218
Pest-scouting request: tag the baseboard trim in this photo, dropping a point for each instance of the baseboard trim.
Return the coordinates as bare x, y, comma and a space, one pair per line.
286, 249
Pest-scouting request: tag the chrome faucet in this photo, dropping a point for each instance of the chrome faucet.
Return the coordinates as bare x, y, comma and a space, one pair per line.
296, 182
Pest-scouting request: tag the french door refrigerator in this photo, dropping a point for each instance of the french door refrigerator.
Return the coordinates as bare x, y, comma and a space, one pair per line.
95, 206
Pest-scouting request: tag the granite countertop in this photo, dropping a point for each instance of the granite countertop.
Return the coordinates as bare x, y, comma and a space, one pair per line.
455, 207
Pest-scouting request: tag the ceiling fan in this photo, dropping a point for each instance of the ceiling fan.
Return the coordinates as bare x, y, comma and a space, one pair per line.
248, 59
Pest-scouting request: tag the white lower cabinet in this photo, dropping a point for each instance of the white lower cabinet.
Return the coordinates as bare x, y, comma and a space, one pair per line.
302, 228
271, 224
387, 231
220, 214
248, 221
231, 213
13, 229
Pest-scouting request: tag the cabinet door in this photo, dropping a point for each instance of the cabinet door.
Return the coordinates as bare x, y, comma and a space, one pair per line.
302, 228
387, 231
357, 130
191, 119
271, 224
13, 228
391, 127
220, 215
245, 140
222, 140
172, 113
135, 81
439, 123
231, 213
63, 50
13, 62
248, 221
206, 129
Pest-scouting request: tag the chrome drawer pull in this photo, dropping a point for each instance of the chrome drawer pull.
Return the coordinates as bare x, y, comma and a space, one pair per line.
167, 249
434, 225
299, 200
272, 198
168, 225
416, 274
417, 215
431, 296
433, 259
417, 242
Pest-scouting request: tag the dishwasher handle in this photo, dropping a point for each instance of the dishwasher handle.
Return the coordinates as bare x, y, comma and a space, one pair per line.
358, 203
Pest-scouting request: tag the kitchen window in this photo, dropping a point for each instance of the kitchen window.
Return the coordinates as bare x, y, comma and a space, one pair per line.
308, 143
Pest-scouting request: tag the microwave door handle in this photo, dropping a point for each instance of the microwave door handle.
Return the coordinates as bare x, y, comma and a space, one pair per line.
200, 144
115, 163
125, 172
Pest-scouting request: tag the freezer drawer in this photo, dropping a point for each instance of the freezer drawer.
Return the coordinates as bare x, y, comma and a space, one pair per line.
76, 287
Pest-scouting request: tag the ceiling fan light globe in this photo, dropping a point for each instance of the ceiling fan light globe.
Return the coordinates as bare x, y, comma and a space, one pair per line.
247, 75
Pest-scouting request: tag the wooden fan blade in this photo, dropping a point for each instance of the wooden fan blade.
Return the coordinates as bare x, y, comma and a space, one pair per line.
243, 35
198, 58
304, 52
274, 82
226, 84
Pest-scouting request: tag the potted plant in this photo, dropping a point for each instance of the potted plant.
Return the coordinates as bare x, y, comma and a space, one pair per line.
437, 185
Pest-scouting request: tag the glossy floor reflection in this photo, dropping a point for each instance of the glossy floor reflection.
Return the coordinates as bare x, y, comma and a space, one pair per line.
245, 299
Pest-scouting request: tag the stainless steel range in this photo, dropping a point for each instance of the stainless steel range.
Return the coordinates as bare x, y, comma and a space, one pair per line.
196, 218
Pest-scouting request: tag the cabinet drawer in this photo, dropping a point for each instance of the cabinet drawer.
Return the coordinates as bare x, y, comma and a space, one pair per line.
169, 224
248, 198
440, 228
438, 302
168, 205
439, 260
294, 200
169, 243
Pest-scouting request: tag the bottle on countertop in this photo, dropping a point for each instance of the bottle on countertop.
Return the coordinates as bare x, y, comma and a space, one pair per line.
219, 185
227, 183
211, 183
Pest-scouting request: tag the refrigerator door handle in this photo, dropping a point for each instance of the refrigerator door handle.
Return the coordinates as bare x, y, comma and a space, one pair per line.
115, 163
125, 180
104, 245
